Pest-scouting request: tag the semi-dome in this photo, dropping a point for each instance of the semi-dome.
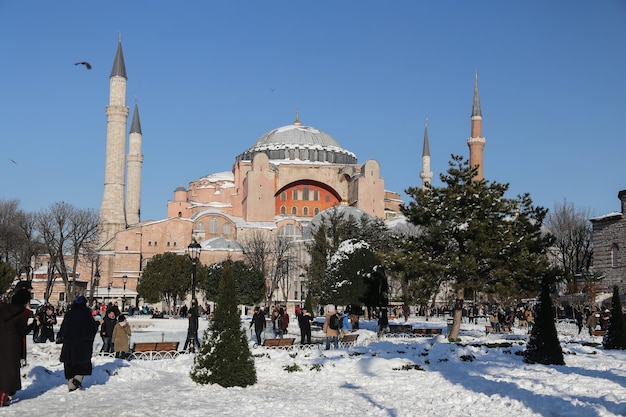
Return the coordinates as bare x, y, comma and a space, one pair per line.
297, 142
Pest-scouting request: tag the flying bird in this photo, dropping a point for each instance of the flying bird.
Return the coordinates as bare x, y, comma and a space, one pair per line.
12, 161
87, 64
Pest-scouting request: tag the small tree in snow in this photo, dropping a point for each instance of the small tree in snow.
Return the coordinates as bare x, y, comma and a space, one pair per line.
543, 346
616, 333
224, 357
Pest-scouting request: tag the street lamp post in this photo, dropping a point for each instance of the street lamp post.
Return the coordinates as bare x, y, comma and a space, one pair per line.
124, 280
109, 291
192, 332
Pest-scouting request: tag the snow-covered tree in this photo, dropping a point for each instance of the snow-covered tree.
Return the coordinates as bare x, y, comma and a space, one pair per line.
543, 346
474, 238
615, 337
224, 357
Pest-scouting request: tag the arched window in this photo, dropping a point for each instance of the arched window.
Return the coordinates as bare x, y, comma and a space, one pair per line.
316, 195
226, 228
283, 210
305, 211
283, 196
294, 194
213, 226
294, 210
305, 192
316, 211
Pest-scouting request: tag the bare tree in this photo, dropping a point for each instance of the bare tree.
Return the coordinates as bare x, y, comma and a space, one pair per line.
9, 233
573, 249
269, 254
66, 231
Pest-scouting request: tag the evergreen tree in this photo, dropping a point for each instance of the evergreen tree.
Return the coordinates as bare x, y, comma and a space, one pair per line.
249, 282
476, 239
543, 346
615, 337
224, 357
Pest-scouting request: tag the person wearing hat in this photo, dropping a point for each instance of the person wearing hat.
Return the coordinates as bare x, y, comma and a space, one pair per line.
78, 331
258, 321
13, 330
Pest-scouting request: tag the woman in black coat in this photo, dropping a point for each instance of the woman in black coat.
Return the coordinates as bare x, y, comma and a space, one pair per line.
13, 328
78, 331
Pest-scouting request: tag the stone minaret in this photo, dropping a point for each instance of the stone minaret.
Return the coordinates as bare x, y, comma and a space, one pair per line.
476, 141
426, 175
112, 218
133, 177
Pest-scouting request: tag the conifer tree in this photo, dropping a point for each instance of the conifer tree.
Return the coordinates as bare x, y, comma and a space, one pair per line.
543, 346
615, 337
224, 357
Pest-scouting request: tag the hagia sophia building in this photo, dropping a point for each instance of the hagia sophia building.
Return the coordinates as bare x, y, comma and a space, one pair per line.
278, 186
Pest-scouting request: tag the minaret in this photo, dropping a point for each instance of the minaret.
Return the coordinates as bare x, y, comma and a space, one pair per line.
476, 141
134, 161
426, 175
112, 216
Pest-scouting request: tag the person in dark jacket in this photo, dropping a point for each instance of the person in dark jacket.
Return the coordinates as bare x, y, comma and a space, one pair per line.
304, 321
192, 342
78, 331
48, 319
258, 321
13, 329
106, 331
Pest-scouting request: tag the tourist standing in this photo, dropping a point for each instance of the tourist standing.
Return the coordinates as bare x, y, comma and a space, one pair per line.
304, 321
121, 334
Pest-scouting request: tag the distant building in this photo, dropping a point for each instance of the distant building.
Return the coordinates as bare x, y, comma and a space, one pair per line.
609, 247
288, 176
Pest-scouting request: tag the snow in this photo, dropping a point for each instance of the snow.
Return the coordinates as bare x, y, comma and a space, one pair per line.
365, 380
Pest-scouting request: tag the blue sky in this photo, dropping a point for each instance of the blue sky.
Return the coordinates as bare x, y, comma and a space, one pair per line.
212, 77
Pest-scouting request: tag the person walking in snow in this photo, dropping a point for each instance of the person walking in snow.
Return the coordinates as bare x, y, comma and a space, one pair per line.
47, 319
13, 329
304, 321
78, 331
121, 334
258, 321
346, 326
331, 329
106, 331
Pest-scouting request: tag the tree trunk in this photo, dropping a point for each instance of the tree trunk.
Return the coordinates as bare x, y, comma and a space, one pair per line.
457, 315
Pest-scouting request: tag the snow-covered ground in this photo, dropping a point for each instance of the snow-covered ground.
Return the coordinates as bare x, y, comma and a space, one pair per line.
482, 376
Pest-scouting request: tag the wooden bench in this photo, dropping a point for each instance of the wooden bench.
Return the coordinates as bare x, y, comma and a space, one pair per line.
400, 328
429, 331
348, 340
600, 333
155, 350
284, 343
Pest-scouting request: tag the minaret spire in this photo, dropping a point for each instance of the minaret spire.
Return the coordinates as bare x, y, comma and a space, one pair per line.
476, 141
112, 215
426, 175
297, 121
134, 162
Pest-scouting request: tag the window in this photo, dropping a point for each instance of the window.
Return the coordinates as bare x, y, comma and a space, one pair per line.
327, 197
180, 214
213, 226
305, 192
294, 210
126, 248
614, 255
295, 194
149, 243
316, 211
283, 210
316, 195
283, 196
305, 211
226, 228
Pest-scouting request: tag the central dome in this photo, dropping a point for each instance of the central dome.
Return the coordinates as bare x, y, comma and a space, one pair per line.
299, 143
